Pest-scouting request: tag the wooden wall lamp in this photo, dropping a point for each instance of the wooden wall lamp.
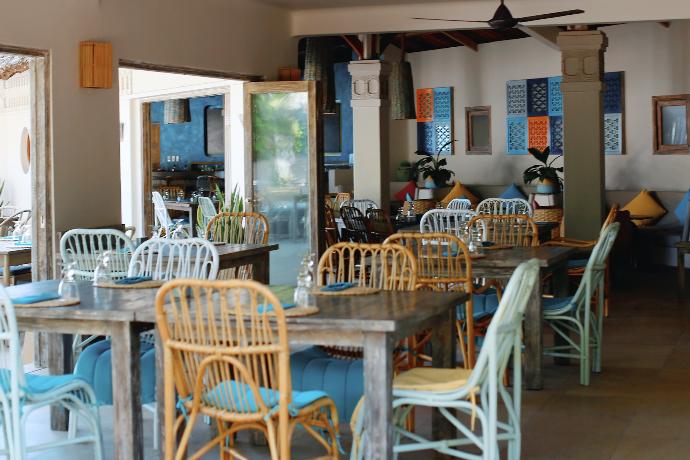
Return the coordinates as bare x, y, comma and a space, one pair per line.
95, 64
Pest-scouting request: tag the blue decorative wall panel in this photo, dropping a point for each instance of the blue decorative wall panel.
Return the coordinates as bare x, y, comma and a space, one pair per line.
556, 134
425, 137
516, 135
343, 95
516, 93
443, 133
555, 96
613, 133
537, 97
186, 140
613, 92
443, 105
435, 120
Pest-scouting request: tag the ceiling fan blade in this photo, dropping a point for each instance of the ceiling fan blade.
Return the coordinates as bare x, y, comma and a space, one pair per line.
549, 15
450, 20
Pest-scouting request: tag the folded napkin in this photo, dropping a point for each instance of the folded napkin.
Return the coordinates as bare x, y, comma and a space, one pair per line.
337, 287
19, 243
35, 298
134, 280
286, 306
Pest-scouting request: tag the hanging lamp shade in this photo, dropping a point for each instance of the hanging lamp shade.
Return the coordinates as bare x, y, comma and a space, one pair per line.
401, 91
176, 111
318, 66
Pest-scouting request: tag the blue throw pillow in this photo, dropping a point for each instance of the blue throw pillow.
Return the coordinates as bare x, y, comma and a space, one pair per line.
682, 209
513, 192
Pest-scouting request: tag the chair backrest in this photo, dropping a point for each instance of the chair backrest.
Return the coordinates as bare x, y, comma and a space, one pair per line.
161, 215
238, 228
503, 206
443, 261
596, 265
207, 211
460, 204
362, 205
330, 226
18, 218
390, 267
84, 246
379, 225
12, 379
355, 223
445, 221
514, 230
167, 259
225, 344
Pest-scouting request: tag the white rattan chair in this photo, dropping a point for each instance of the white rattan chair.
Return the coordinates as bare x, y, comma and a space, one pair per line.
503, 206
207, 212
165, 227
460, 204
446, 221
362, 205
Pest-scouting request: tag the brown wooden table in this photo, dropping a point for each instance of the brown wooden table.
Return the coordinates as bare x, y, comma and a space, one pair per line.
257, 255
500, 264
185, 206
10, 255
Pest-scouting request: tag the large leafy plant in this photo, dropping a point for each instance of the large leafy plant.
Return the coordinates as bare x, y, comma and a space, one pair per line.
433, 167
544, 171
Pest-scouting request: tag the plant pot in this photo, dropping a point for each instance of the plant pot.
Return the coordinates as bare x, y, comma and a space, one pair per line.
429, 183
547, 186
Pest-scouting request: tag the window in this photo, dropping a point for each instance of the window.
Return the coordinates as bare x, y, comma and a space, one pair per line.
478, 124
671, 124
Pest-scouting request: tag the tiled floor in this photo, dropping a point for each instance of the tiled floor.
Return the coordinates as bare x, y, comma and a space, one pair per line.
638, 408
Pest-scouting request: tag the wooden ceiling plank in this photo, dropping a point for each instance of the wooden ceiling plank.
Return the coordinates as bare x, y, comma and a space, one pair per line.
355, 44
462, 39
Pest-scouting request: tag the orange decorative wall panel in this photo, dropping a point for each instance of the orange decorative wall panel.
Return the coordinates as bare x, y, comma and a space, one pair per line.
538, 132
425, 105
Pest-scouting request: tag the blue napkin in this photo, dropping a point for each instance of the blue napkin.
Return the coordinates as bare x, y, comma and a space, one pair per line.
488, 244
286, 306
337, 287
134, 280
19, 243
8, 238
35, 298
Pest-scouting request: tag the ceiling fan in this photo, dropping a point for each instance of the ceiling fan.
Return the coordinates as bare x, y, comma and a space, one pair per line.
503, 18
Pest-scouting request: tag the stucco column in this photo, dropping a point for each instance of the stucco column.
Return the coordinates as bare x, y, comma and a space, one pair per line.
370, 130
583, 131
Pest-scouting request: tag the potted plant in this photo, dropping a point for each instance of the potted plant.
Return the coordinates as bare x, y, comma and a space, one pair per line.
433, 168
546, 175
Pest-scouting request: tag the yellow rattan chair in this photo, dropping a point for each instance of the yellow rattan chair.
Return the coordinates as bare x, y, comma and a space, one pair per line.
510, 229
238, 228
226, 355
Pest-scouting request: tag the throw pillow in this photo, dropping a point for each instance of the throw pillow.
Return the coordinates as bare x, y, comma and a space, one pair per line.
645, 206
512, 192
459, 191
408, 189
682, 210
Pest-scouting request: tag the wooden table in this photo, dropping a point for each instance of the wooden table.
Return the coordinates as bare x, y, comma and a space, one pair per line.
10, 255
553, 260
237, 255
185, 206
376, 323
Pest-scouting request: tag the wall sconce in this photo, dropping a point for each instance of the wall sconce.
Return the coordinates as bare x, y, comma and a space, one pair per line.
96, 65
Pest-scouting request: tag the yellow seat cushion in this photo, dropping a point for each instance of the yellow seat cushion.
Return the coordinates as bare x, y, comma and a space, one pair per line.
644, 204
431, 379
459, 191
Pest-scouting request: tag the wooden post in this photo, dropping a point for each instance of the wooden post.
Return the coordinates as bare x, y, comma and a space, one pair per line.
378, 394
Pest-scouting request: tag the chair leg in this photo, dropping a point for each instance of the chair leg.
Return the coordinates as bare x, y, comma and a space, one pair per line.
72, 425
156, 433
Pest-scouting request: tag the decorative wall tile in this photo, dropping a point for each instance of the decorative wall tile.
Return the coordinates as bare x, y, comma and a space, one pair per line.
425, 105
516, 135
516, 97
613, 133
443, 133
443, 104
538, 129
426, 138
537, 97
555, 96
613, 92
556, 134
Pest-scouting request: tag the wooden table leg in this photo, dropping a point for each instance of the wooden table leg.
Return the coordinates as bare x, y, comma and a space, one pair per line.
59, 363
443, 355
192, 220
128, 426
681, 269
378, 393
561, 283
533, 340
262, 268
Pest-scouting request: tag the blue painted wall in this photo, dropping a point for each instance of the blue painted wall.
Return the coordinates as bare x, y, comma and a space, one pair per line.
343, 93
188, 140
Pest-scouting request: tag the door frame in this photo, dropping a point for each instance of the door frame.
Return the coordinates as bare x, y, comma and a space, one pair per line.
316, 159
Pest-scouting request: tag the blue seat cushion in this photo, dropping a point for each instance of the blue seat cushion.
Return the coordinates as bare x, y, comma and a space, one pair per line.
38, 384
95, 367
577, 263
512, 192
342, 379
555, 303
483, 305
238, 397
17, 269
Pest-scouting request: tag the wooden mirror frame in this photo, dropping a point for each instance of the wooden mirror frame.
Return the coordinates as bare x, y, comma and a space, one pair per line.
470, 113
658, 102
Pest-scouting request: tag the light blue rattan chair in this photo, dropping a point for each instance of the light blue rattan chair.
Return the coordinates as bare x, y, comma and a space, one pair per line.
477, 392
208, 211
21, 394
569, 316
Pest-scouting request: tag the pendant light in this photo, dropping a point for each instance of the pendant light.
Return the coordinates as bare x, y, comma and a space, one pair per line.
318, 66
401, 87
176, 111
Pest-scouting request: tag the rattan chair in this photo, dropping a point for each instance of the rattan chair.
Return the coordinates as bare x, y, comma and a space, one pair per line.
362, 205
503, 206
378, 224
165, 225
355, 225
238, 228
206, 212
453, 221
226, 357
330, 227
7, 224
460, 204
506, 230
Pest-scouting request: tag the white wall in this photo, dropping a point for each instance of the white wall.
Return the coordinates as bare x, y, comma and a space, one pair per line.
14, 117
656, 61
226, 35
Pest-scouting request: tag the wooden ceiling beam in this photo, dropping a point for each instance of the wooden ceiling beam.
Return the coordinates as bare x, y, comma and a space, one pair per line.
665, 24
434, 40
544, 35
489, 34
355, 44
462, 39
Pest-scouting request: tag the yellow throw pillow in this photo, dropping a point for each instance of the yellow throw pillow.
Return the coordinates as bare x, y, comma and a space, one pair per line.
646, 207
459, 191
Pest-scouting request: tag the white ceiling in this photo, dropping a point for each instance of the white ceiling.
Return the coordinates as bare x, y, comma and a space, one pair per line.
305, 4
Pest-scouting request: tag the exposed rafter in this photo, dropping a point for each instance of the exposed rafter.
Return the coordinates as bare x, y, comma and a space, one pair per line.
462, 39
355, 44
545, 35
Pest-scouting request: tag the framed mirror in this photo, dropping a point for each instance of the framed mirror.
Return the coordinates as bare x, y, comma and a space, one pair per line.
671, 124
478, 128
